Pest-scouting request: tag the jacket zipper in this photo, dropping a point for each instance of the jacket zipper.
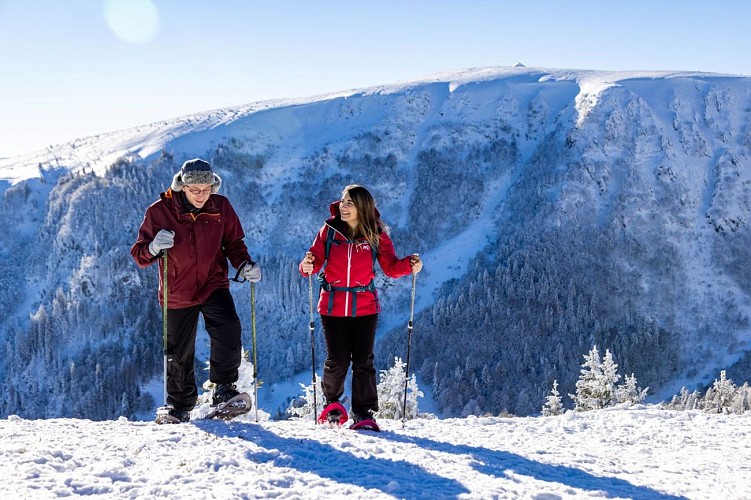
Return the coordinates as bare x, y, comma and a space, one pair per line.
349, 278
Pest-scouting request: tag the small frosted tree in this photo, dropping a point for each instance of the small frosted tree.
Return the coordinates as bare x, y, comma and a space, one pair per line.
610, 377
741, 400
391, 392
629, 392
126, 409
720, 396
553, 406
597, 385
685, 400
302, 406
592, 391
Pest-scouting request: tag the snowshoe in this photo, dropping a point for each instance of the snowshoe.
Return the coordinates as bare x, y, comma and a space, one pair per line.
365, 422
333, 414
234, 406
170, 415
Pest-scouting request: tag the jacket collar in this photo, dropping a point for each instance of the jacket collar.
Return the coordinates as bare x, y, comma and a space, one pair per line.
181, 204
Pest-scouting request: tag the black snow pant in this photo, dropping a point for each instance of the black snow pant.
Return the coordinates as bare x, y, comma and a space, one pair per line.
350, 339
223, 327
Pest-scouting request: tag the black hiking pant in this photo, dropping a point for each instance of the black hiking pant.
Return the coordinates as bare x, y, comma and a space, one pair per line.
223, 327
350, 339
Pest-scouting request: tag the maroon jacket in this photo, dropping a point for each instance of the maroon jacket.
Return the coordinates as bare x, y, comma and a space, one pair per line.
350, 264
197, 263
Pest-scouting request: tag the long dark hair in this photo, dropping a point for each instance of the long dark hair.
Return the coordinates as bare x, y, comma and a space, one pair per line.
369, 225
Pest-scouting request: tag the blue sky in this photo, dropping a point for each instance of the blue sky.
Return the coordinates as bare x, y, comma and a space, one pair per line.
75, 68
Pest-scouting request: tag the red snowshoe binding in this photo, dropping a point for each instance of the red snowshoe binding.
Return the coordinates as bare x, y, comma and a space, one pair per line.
365, 422
333, 414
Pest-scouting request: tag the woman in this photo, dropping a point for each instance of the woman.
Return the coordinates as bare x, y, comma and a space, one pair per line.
348, 245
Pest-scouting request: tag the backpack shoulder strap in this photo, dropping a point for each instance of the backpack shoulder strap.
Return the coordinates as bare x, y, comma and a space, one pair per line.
375, 256
329, 240
330, 233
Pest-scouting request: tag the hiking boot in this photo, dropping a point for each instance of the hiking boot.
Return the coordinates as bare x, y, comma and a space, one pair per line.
366, 415
334, 416
170, 415
180, 415
365, 421
223, 393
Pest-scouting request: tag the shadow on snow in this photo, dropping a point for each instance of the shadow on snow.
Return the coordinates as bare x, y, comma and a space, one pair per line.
500, 462
398, 478
404, 479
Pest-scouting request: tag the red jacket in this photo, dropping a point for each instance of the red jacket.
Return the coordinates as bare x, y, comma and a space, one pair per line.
350, 264
197, 263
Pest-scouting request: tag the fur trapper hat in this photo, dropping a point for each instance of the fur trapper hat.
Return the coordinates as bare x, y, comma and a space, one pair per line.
196, 171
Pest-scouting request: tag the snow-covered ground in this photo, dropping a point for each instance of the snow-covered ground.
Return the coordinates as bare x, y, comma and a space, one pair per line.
638, 452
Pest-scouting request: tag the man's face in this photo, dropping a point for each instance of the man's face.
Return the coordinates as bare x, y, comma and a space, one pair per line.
198, 194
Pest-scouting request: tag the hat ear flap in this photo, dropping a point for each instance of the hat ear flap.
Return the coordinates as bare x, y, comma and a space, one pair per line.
177, 182
216, 185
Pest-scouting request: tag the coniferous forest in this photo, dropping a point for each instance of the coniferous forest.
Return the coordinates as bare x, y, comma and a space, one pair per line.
550, 220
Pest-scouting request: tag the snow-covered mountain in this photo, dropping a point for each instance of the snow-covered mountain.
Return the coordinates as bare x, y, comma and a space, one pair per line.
554, 209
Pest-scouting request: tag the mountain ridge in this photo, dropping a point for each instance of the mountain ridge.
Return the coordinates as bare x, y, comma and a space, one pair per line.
134, 141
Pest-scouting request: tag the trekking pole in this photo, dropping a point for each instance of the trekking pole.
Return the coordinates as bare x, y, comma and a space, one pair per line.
238, 279
312, 346
255, 357
409, 345
164, 319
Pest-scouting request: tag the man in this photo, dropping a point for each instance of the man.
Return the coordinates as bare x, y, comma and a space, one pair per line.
200, 231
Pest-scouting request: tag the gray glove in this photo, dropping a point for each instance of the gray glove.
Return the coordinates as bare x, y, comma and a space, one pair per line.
251, 272
163, 240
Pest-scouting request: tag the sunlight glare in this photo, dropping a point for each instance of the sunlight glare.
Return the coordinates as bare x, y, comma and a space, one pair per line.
132, 21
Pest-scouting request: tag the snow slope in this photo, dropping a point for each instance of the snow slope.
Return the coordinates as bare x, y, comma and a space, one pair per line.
638, 452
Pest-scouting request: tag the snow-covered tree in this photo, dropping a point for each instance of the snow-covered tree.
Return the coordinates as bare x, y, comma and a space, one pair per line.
597, 385
553, 406
391, 392
390, 395
302, 406
629, 392
685, 400
720, 396
723, 396
610, 376
592, 390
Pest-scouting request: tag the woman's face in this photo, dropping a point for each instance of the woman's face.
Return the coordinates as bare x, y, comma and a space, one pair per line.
198, 194
348, 211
